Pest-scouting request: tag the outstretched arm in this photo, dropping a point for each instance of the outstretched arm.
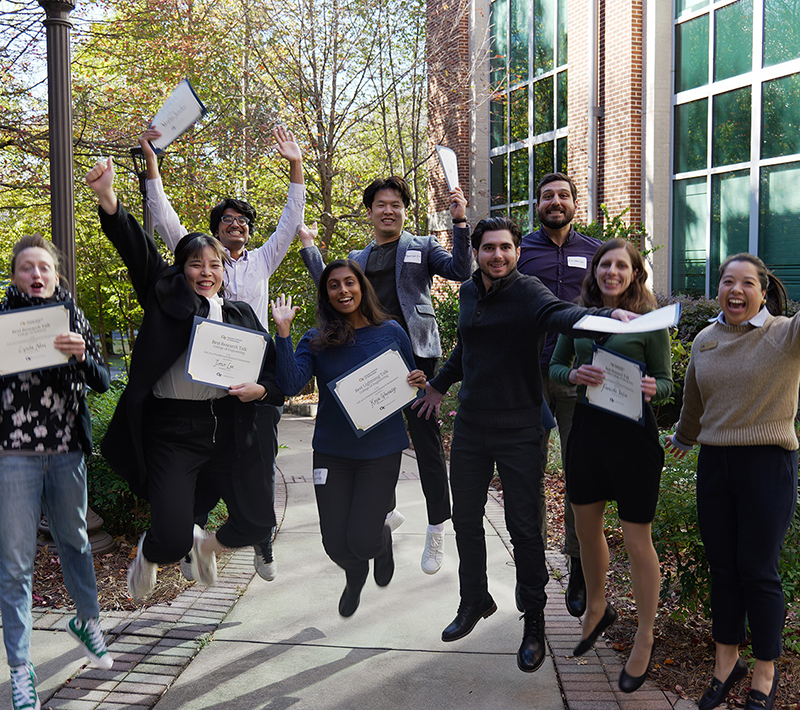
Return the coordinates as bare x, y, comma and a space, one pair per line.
458, 265
290, 150
310, 254
101, 179
149, 154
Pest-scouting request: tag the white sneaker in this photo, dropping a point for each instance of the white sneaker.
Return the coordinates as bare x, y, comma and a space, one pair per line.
395, 519
23, 688
433, 554
141, 575
186, 567
204, 565
90, 636
264, 560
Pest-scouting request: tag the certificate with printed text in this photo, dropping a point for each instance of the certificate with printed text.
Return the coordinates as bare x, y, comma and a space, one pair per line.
621, 391
221, 354
180, 112
665, 317
27, 338
374, 390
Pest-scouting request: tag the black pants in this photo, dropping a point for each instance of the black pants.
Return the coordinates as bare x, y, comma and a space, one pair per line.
517, 453
187, 442
352, 498
746, 496
427, 441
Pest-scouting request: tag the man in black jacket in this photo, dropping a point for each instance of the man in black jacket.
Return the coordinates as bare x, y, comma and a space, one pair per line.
504, 317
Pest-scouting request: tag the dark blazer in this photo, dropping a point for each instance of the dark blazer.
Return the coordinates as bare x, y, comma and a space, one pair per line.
170, 305
414, 276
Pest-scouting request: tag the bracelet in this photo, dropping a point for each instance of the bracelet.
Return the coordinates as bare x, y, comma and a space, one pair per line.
459, 221
263, 396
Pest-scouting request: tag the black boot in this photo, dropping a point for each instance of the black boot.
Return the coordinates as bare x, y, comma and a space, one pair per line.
532, 651
384, 563
351, 596
576, 588
469, 614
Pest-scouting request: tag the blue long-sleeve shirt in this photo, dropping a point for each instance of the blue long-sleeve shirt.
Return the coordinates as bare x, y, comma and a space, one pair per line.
333, 434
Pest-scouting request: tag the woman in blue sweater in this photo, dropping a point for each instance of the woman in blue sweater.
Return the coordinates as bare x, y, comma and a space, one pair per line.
354, 477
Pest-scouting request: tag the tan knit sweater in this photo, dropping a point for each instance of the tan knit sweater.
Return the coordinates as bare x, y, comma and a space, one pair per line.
741, 385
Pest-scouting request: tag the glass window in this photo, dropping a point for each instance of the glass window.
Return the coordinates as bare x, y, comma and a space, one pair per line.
730, 218
780, 110
543, 160
497, 118
733, 39
689, 217
561, 155
543, 30
501, 212
499, 180
519, 175
779, 223
731, 129
499, 43
519, 115
543, 106
781, 31
682, 6
520, 40
691, 50
520, 215
561, 110
691, 136
562, 33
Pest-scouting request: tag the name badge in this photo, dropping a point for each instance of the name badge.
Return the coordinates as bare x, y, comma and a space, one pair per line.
710, 345
577, 262
320, 476
413, 257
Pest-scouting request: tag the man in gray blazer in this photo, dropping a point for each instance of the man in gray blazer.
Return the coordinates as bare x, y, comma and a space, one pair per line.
401, 267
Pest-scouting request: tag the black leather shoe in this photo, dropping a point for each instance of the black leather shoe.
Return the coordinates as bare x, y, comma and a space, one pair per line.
383, 569
532, 651
756, 700
586, 644
469, 614
629, 683
576, 588
718, 690
351, 596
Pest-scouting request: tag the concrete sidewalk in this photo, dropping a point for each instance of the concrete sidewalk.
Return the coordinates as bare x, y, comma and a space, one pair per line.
246, 644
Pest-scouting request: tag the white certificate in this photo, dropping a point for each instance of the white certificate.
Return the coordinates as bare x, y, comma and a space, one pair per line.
449, 163
374, 390
621, 391
179, 113
665, 317
222, 355
27, 338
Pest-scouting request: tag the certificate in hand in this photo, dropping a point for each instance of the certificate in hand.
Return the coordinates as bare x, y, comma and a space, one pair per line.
621, 391
449, 161
374, 390
665, 317
27, 337
222, 355
179, 113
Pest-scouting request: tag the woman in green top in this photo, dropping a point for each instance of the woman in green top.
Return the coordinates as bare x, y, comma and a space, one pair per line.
628, 473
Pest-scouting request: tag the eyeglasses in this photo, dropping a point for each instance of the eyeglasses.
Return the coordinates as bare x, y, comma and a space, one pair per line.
241, 220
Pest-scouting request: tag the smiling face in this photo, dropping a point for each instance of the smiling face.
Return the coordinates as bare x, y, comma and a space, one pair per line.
344, 291
35, 272
204, 272
233, 231
740, 293
387, 214
556, 206
614, 273
496, 256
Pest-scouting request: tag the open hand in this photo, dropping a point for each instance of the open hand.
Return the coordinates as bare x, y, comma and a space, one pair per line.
287, 145
283, 313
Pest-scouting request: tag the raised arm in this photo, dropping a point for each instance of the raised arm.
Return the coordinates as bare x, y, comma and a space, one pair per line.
309, 252
458, 265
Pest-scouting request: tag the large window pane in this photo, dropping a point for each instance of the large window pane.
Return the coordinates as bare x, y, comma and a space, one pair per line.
499, 180
520, 40
689, 217
779, 223
519, 175
561, 156
497, 118
691, 48
543, 106
499, 43
730, 218
691, 136
780, 132
520, 215
781, 31
543, 30
562, 33
562, 99
733, 43
519, 114
543, 160
682, 6
731, 131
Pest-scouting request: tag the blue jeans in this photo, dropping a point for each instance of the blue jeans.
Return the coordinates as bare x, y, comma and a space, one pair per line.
29, 484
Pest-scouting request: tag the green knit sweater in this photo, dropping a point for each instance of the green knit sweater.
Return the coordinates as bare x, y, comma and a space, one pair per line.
741, 385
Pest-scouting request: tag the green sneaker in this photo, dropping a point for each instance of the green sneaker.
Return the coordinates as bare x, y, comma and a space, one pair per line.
23, 687
90, 636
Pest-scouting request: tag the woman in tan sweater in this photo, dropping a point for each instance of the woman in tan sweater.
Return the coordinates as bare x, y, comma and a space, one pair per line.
739, 404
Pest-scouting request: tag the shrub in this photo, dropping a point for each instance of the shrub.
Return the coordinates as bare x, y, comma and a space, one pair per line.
445, 304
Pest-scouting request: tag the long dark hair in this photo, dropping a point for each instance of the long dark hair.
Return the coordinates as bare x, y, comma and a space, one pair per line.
776, 292
334, 328
637, 297
193, 245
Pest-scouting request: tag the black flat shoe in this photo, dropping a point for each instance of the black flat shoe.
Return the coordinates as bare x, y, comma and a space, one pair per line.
629, 683
584, 645
383, 568
756, 700
718, 690
575, 596
351, 596
469, 614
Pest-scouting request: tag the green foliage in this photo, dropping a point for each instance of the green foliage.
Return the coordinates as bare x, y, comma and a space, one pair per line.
612, 227
445, 304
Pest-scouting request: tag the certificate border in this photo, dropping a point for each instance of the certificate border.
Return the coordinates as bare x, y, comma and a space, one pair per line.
642, 367
332, 387
70, 306
196, 322
203, 112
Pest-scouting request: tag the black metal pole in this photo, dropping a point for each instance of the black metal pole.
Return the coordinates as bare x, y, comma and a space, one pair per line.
59, 92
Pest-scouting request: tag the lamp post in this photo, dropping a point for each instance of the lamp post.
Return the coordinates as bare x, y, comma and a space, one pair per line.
59, 92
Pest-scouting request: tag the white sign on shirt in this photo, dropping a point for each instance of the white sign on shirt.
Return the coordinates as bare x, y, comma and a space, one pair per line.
577, 262
413, 257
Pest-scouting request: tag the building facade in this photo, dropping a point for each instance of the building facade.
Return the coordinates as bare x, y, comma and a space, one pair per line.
687, 113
